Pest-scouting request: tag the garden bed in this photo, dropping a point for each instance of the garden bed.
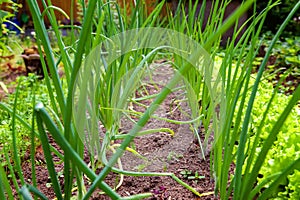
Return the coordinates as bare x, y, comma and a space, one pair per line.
161, 151
179, 154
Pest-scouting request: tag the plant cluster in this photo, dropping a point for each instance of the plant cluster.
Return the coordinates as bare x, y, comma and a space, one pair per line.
29, 89
285, 149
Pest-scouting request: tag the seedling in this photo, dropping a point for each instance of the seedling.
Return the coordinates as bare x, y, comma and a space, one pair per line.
173, 155
187, 174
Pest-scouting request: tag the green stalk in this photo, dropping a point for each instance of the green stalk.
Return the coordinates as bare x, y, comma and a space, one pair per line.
228, 23
49, 159
43, 37
15, 150
2, 192
84, 35
5, 185
28, 126
138, 127
243, 83
35, 191
152, 18
46, 8
251, 157
146, 132
236, 85
232, 99
240, 157
228, 149
25, 193
138, 196
262, 184
64, 54
270, 140
32, 139
47, 79
12, 171
44, 118
239, 83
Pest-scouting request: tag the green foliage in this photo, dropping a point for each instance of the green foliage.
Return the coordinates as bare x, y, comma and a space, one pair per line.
286, 50
238, 114
284, 62
5, 16
292, 191
286, 147
277, 15
24, 109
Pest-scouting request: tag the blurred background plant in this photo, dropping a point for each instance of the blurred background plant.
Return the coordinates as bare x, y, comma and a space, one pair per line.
7, 23
277, 15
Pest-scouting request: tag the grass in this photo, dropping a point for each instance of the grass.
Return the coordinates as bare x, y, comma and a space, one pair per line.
120, 67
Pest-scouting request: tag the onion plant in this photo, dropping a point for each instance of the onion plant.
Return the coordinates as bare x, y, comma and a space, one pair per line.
110, 58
